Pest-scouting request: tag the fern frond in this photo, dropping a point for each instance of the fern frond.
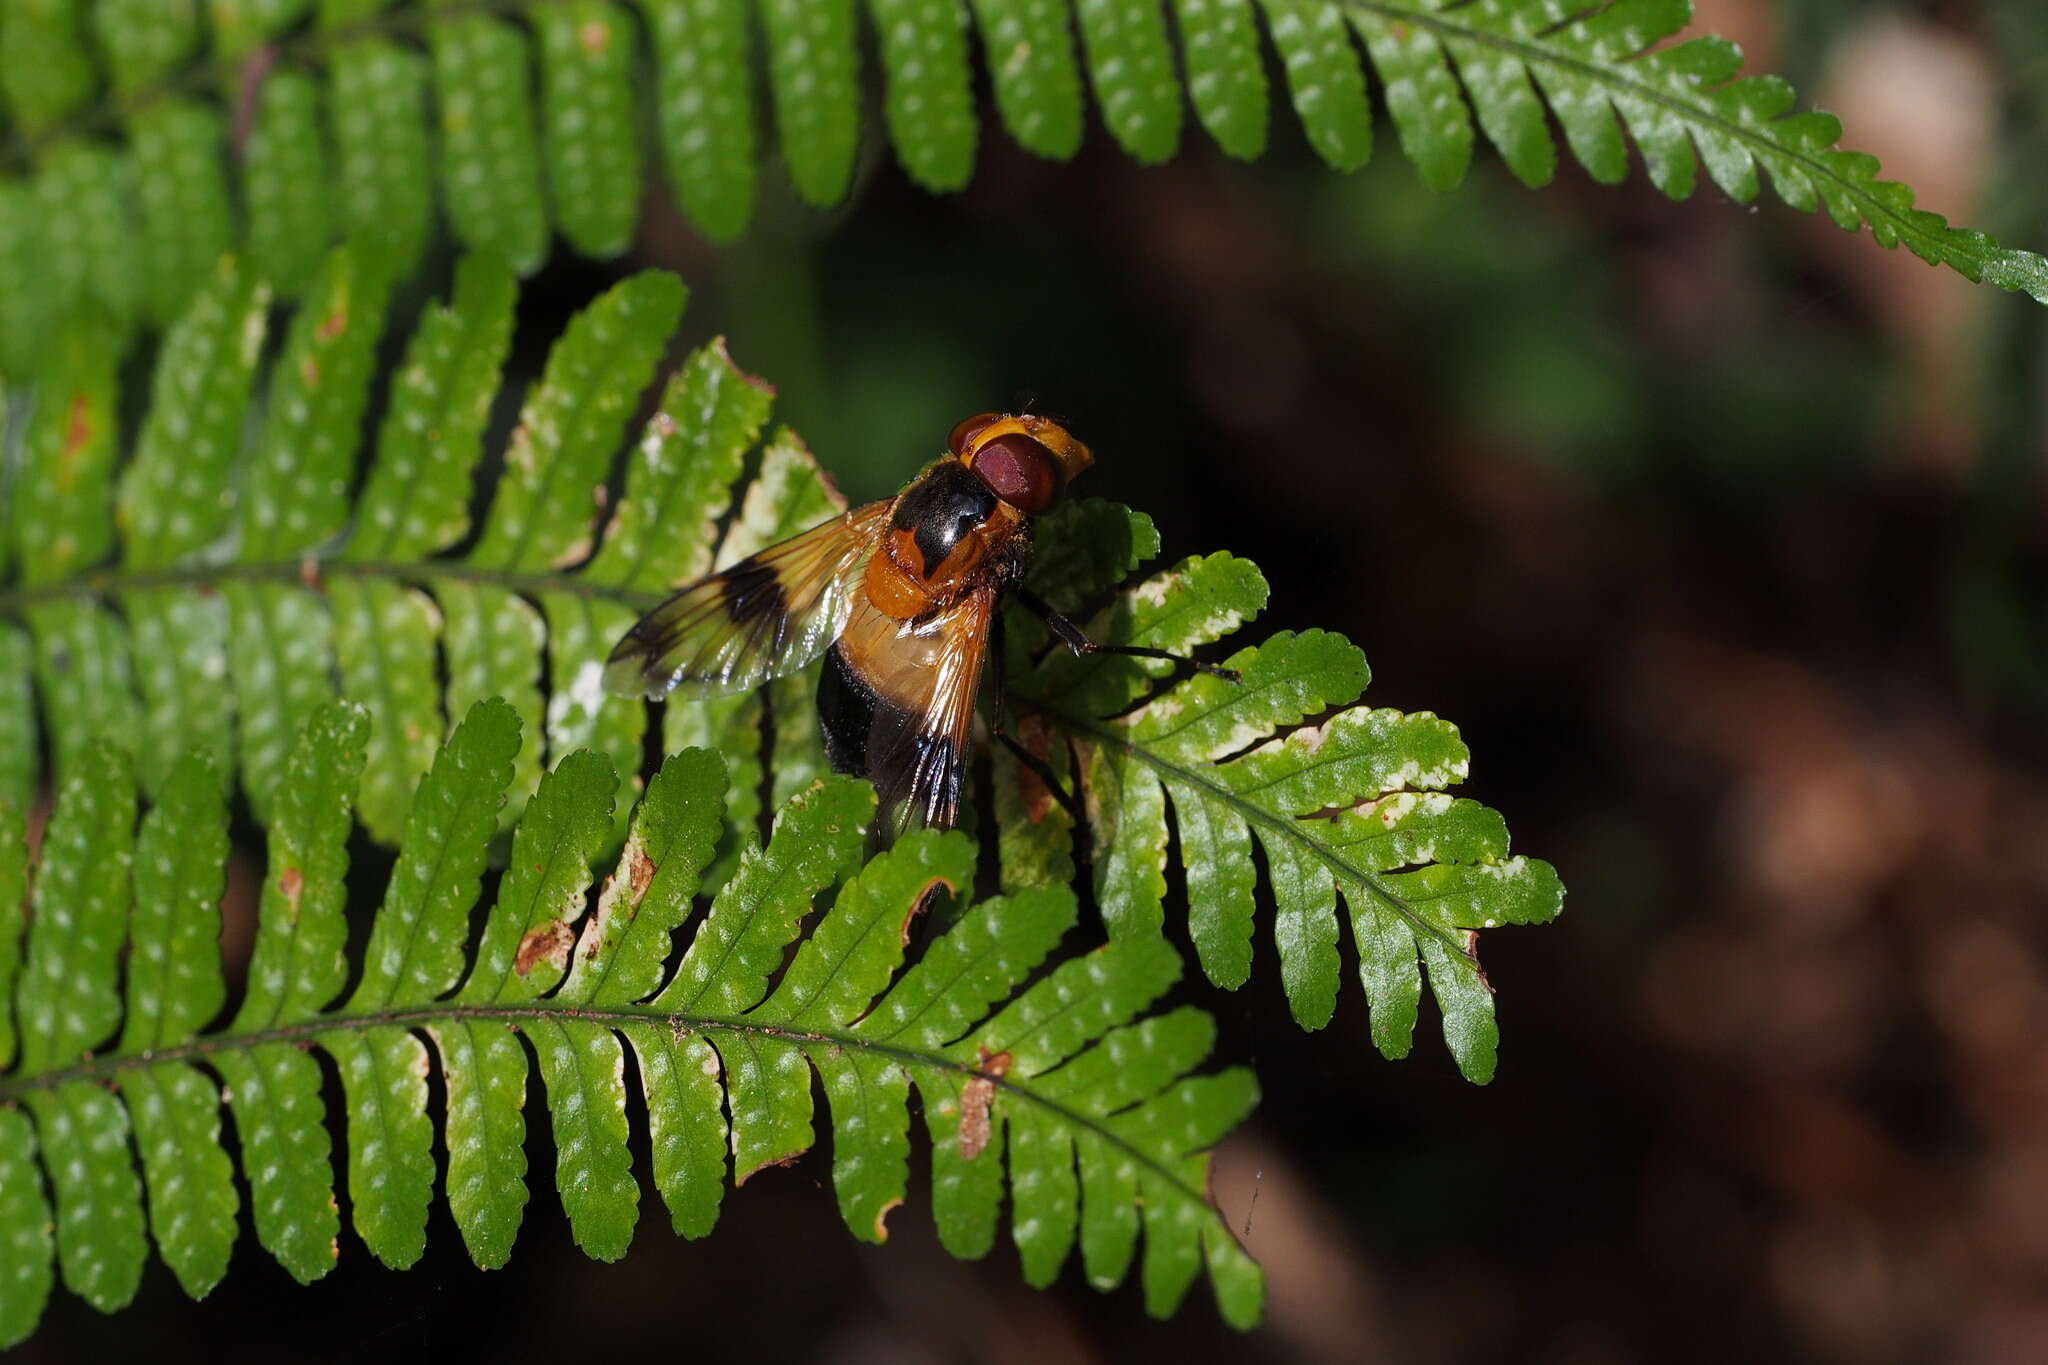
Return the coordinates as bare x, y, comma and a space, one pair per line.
1054, 1093
520, 117
229, 621
1352, 805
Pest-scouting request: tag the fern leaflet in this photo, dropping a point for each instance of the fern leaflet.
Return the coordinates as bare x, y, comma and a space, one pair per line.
231, 622
520, 117
1091, 1119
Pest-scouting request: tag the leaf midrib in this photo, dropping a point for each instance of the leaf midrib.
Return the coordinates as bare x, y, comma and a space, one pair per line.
113, 1065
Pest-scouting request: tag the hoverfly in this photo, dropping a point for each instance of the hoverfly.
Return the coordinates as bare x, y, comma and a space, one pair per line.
902, 597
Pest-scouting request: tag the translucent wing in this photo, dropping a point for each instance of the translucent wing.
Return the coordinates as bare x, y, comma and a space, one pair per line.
769, 614
924, 676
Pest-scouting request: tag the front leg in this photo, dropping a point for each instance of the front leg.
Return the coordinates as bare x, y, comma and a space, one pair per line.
1074, 638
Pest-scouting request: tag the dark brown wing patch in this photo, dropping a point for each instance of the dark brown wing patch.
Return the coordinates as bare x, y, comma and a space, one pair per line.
765, 616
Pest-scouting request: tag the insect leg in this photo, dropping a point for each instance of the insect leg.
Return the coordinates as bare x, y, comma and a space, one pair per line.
1074, 638
1023, 755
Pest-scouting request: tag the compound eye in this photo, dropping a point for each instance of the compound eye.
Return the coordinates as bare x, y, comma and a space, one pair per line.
969, 429
1020, 471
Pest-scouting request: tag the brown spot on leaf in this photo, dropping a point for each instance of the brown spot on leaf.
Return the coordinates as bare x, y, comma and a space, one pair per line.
551, 943
920, 904
309, 573
882, 1219
641, 869
290, 884
1036, 737
333, 325
77, 424
595, 37
977, 1098
1472, 951
309, 372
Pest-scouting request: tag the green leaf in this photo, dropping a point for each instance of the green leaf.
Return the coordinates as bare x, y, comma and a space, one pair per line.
13, 914
493, 641
383, 177
285, 180
1064, 1068
84, 1140
176, 494
1350, 807
679, 478
1324, 79
814, 74
1226, 80
524, 951
390, 1140
180, 663
26, 1244
174, 979
490, 183
281, 658
704, 108
622, 946
62, 497
181, 186
415, 499
295, 493
156, 193
242, 26
192, 1199
18, 738
297, 966
274, 1092
1422, 96
30, 297
67, 1002
416, 948
1131, 64
145, 40
384, 638
45, 72
587, 119
562, 448
84, 675
741, 941
927, 99
484, 1067
83, 197
1029, 50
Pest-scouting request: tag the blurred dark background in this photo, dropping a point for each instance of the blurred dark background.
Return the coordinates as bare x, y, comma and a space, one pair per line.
1724, 538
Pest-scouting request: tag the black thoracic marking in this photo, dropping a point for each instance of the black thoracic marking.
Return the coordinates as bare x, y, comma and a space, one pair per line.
846, 711
941, 508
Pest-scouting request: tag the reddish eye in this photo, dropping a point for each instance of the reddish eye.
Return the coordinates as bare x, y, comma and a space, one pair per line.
970, 428
1020, 471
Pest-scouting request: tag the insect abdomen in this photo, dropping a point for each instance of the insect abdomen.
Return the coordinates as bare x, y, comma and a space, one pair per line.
846, 712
